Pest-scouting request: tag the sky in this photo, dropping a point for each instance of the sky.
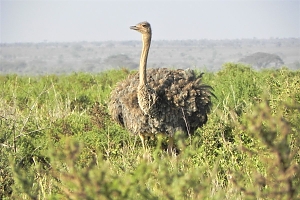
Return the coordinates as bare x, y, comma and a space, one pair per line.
102, 20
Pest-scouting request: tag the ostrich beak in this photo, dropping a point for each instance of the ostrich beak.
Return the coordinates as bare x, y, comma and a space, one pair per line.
133, 27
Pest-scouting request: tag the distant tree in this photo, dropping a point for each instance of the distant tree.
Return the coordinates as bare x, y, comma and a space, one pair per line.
263, 60
120, 60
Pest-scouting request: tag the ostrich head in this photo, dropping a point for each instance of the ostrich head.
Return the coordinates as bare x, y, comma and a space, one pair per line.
142, 27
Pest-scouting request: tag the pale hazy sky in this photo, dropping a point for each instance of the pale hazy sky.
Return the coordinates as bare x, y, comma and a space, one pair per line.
100, 20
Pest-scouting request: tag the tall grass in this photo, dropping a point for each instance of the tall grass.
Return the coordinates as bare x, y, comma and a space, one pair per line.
58, 141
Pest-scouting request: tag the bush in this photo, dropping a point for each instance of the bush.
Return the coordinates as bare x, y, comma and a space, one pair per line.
58, 141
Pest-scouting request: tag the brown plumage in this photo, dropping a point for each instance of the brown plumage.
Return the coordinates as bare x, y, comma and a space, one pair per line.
160, 100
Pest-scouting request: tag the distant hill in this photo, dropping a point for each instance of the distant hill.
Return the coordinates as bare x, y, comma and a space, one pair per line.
94, 57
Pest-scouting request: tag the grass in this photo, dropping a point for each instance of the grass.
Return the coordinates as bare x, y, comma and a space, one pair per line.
58, 141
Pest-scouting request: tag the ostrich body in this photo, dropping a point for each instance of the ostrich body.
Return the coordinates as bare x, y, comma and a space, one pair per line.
160, 100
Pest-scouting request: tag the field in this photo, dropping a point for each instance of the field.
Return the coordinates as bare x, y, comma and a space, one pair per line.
58, 141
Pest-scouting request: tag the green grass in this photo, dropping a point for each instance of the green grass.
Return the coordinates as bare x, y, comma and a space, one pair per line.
58, 141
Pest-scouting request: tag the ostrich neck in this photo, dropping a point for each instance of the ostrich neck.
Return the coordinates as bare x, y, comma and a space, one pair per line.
144, 56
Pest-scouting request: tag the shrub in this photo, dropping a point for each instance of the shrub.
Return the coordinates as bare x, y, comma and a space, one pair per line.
58, 141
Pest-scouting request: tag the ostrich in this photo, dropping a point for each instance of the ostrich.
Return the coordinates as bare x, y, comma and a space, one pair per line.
160, 101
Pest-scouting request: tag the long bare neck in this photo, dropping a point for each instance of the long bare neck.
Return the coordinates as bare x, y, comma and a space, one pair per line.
146, 38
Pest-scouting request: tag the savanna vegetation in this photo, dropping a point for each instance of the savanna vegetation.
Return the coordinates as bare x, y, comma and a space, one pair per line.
58, 142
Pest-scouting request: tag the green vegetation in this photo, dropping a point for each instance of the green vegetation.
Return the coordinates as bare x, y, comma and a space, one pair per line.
58, 142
